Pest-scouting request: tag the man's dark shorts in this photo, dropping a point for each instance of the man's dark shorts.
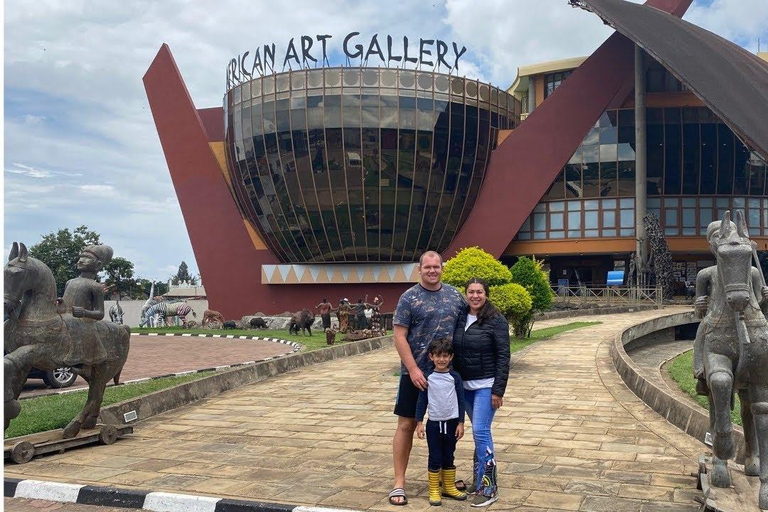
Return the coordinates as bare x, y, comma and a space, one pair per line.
326, 320
407, 396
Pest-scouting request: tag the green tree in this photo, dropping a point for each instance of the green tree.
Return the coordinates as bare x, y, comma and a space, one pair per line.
120, 276
183, 276
514, 302
528, 273
475, 262
61, 250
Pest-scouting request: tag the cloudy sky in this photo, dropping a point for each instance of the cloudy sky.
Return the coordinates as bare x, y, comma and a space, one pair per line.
80, 143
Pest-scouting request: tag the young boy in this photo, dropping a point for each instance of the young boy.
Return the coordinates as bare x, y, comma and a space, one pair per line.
444, 399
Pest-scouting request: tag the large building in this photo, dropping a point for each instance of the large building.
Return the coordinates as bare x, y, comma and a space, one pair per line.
330, 182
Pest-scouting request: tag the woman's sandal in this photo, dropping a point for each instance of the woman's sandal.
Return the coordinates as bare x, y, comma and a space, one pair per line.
397, 497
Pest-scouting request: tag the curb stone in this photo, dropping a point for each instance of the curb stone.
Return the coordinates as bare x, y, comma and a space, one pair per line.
142, 499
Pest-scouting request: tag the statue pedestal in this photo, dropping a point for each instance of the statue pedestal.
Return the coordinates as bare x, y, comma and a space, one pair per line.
21, 449
741, 496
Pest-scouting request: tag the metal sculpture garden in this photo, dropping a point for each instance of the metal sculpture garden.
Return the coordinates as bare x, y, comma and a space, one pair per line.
37, 334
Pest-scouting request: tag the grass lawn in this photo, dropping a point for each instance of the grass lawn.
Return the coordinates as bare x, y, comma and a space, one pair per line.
314, 342
546, 333
681, 371
55, 411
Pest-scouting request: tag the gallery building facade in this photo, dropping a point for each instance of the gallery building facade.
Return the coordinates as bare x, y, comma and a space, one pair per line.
330, 182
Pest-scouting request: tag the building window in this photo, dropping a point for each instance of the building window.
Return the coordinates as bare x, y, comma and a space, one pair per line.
658, 79
553, 80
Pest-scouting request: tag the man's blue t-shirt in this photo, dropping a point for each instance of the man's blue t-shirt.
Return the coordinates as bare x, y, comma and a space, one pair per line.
428, 315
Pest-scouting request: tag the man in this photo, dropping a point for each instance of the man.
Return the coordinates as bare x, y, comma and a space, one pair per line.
325, 308
84, 298
426, 311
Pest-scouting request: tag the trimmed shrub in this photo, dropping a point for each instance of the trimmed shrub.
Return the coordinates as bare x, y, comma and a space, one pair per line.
513, 301
528, 273
475, 262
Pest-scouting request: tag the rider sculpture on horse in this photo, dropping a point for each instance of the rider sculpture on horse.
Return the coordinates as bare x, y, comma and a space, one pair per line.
731, 349
45, 333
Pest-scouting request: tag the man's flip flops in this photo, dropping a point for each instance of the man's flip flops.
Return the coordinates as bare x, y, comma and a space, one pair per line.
396, 493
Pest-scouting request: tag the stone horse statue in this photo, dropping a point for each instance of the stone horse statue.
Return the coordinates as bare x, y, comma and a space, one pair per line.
734, 333
36, 334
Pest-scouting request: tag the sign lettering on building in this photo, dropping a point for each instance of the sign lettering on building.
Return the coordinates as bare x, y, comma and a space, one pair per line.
308, 51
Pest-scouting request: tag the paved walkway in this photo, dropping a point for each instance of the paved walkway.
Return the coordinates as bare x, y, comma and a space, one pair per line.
570, 436
651, 357
154, 356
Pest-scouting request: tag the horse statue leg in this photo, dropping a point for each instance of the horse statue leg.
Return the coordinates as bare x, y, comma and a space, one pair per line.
751, 452
100, 374
16, 366
720, 384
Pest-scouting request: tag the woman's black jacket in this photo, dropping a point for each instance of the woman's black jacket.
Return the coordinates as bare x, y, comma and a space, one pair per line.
483, 351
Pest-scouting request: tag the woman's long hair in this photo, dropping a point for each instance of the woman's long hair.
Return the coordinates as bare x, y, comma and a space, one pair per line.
488, 310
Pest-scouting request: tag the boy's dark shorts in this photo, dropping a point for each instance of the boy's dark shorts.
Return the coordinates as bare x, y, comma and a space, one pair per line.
407, 396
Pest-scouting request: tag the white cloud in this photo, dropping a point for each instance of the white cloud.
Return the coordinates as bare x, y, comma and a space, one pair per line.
78, 121
99, 190
30, 119
29, 171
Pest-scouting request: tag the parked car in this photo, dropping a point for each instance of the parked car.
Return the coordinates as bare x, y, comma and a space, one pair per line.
58, 378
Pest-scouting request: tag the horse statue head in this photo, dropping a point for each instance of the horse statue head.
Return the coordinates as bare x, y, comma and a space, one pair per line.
25, 278
730, 243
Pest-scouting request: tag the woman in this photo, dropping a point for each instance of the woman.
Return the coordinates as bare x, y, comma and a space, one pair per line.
481, 346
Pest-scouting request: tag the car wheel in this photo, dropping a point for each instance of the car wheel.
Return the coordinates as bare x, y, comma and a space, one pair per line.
60, 378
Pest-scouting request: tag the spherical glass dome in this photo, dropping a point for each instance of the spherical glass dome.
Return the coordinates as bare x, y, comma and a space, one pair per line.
361, 164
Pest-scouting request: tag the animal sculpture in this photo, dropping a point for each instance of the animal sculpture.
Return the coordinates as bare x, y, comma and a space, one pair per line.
164, 310
36, 335
151, 301
301, 321
116, 313
229, 324
210, 315
735, 350
258, 323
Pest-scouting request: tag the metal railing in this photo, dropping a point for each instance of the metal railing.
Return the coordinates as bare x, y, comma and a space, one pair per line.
607, 295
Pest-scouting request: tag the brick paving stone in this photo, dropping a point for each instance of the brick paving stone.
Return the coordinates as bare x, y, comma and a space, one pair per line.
593, 487
570, 437
554, 500
25, 505
645, 492
655, 506
612, 504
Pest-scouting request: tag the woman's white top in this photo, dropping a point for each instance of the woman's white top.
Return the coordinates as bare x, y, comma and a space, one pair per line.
477, 383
